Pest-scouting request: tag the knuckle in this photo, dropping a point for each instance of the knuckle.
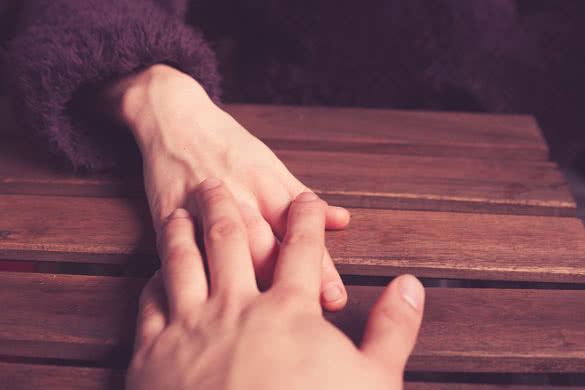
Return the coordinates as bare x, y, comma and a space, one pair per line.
254, 223
190, 320
214, 197
292, 298
148, 308
224, 228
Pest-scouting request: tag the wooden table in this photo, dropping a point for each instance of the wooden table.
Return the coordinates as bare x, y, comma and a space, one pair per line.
440, 195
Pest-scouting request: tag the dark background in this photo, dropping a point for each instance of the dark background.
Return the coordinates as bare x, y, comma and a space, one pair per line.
500, 56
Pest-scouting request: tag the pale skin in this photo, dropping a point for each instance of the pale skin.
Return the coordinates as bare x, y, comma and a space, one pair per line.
227, 334
184, 138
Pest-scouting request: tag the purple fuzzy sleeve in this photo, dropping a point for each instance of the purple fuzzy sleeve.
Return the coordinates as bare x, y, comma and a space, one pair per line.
65, 48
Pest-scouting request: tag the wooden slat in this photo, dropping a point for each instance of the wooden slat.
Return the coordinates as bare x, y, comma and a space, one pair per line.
28, 376
464, 330
395, 132
433, 183
377, 242
347, 179
29, 168
101, 230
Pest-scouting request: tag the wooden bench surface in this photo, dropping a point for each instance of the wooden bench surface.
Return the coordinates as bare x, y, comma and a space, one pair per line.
370, 180
26, 376
521, 330
439, 195
394, 132
378, 242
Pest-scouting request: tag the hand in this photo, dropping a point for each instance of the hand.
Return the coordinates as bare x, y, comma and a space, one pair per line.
225, 334
184, 138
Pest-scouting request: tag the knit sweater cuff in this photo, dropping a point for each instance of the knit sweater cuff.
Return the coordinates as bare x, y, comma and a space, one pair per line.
71, 45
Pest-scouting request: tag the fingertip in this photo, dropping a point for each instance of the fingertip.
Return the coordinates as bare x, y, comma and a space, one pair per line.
337, 217
394, 322
411, 291
334, 297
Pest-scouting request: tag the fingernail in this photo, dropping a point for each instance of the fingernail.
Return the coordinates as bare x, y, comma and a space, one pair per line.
209, 183
332, 293
344, 211
306, 197
179, 213
412, 291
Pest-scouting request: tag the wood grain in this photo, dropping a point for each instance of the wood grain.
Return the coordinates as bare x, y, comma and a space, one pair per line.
398, 132
377, 242
464, 330
347, 179
99, 230
433, 183
515, 137
27, 376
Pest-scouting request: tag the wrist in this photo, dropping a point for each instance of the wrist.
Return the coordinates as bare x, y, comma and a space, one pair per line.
149, 101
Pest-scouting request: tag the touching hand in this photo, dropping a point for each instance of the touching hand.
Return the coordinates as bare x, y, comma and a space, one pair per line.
184, 138
226, 334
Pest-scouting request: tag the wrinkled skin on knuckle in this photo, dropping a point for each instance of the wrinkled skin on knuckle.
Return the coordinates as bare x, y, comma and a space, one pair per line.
148, 307
214, 197
224, 229
254, 223
191, 321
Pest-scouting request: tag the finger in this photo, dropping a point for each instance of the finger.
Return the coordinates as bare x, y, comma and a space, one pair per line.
274, 203
182, 265
301, 253
231, 271
394, 323
263, 245
337, 218
151, 312
333, 293
275, 209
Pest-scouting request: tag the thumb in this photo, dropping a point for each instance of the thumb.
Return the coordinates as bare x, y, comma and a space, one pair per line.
394, 323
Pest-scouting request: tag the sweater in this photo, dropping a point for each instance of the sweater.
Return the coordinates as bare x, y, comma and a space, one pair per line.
477, 55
